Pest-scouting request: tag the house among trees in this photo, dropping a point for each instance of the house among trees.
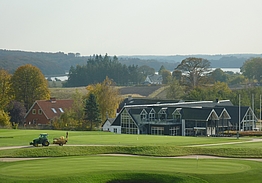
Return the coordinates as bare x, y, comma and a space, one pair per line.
154, 79
43, 112
202, 118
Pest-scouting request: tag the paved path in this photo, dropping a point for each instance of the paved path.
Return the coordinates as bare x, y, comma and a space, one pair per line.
190, 156
226, 143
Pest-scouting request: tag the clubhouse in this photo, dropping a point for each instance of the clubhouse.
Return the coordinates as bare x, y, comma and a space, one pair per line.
180, 118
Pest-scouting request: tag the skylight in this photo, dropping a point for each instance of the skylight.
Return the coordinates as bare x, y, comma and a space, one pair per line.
61, 110
53, 109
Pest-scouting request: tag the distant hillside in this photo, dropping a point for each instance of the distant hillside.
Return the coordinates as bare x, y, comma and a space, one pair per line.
170, 62
55, 64
48, 63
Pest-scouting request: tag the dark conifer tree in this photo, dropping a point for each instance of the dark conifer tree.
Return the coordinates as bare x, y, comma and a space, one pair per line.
92, 113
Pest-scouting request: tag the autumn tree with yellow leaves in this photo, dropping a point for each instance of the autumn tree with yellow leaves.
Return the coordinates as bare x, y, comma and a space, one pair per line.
5, 89
107, 97
29, 85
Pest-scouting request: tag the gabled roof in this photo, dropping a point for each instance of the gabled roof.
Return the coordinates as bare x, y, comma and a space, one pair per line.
201, 114
52, 108
155, 78
234, 113
110, 120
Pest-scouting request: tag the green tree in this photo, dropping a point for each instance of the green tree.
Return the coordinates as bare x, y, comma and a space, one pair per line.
145, 71
16, 112
194, 69
166, 75
4, 119
219, 90
5, 89
162, 68
72, 119
92, 113
29, 84
175, 90
177, 74
252, 69
218, 75
107, 97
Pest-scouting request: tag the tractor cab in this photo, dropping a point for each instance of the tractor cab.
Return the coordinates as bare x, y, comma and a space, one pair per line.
43, 135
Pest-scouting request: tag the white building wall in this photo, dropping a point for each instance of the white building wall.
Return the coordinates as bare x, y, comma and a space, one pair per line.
211, 131
116, 129
107, 126
183, 127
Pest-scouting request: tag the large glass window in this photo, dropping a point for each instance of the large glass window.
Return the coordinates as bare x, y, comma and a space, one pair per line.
175, 131
128, 126
156, 130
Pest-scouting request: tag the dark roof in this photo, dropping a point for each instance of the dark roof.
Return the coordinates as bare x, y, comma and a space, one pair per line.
234, 113
144, 101
201, 114
110, 120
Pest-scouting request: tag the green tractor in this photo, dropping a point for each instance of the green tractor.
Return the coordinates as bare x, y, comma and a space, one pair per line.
42, 139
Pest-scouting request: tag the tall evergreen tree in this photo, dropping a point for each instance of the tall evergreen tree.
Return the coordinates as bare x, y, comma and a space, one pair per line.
92, 113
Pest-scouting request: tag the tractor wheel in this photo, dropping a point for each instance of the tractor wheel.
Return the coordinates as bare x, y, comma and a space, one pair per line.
35, 144
45, 143
61, 144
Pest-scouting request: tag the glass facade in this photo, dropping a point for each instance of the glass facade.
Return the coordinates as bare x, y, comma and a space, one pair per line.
128, 126
155, 130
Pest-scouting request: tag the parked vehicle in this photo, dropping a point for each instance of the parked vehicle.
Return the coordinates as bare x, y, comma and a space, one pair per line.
42, 139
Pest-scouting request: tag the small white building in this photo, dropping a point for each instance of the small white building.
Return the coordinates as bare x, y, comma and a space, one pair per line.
107, 125
154, 79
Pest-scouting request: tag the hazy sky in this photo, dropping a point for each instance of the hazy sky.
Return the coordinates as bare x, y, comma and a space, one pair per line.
132, 27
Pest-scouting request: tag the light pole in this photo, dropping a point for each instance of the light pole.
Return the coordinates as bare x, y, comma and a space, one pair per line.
260, 111
239, 116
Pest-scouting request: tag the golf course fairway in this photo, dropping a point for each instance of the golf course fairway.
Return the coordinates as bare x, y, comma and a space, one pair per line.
106, 168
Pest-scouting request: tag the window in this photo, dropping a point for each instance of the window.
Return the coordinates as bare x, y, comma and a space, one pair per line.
128, 126
174, 130
152, 115
53, 109
115, 130
39, 111
33, 111
143, 115
157, 130
177, 114
162, 114
61, 110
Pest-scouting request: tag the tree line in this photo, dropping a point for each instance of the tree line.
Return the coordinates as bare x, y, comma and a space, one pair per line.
99, 67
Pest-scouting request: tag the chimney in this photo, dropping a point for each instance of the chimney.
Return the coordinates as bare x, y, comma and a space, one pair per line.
53, 100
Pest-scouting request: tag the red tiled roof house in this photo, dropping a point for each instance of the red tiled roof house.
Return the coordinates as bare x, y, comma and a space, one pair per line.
43, 112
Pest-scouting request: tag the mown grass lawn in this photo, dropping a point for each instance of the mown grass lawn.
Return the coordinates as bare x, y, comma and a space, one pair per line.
92, 162
23, 137
107, 168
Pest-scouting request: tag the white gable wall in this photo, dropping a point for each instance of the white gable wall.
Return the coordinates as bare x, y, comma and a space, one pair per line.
107, 126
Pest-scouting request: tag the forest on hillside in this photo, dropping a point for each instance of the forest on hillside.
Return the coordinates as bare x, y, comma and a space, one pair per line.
59, 63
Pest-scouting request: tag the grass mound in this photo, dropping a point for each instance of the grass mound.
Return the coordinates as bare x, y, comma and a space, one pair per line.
159, 151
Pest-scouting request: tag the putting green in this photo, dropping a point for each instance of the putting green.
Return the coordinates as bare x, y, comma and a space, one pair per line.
72, 166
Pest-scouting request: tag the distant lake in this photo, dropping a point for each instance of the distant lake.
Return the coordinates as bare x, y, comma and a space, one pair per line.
235, 70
